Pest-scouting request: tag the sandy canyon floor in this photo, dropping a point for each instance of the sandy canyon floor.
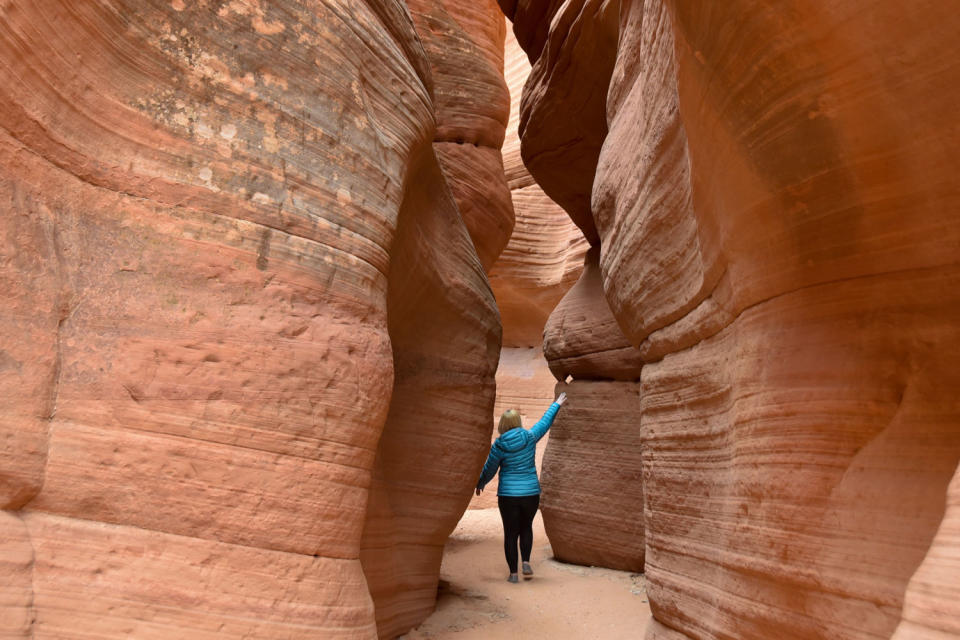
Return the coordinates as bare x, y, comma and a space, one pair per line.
561, 601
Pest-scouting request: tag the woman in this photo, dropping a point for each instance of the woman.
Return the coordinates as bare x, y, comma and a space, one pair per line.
518, 495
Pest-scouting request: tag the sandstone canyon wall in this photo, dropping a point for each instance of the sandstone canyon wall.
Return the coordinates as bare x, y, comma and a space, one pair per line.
230, 261
772, 194
592, 486
445, 336
544, 256
931, 608
464, 43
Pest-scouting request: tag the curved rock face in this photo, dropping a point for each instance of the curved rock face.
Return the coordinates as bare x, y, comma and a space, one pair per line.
446, 343
582, 338
209, 214
592, 477
445, 330
562, 121
464, 45
544, 256
931, 607
592, 467
771, 203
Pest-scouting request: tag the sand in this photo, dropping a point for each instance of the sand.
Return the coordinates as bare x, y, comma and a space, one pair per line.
561, 601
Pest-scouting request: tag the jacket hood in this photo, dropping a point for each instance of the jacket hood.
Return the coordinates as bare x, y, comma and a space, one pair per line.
513, 440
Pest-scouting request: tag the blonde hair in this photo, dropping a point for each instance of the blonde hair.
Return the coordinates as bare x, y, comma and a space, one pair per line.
509, 420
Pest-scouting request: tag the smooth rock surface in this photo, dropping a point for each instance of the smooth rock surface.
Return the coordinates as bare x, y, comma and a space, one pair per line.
772, 203
209, 212
931, 608
443, 321
446, 343
582, 338
544, 256
562, 118
591, 477
592, 469
464, 45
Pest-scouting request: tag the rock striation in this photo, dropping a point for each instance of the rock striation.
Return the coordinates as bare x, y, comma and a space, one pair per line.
544, 256
931, 607
444, 328
464, 46
446, 343
230, 261
582, 338
771, 200
562, 119
592, 468
592, 477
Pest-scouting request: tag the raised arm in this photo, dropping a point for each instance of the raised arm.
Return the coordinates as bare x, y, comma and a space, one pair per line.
543, 424
489, 468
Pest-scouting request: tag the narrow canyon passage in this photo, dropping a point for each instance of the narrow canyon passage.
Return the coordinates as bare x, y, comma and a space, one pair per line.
270, 270
561, 601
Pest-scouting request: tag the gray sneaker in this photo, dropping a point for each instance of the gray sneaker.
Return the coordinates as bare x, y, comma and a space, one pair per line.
527, 571
513, 578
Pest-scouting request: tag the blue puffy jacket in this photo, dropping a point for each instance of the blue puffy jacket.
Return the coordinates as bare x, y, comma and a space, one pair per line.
514, 453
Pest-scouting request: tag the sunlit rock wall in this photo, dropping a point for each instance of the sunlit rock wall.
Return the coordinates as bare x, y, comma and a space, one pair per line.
931, 608
773, 203
220, 221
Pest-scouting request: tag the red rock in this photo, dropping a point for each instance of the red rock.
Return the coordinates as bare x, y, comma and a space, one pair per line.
209, 216
592, 483
544, 256
540, 263
475, 176
562, 117
770, 203
464, 45
444, 327
931, 607
582, 338
446, 342
591, 478
772, 479
16, 568
115, 581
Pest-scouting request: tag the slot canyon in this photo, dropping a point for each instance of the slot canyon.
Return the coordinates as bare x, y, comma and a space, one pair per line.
272, 269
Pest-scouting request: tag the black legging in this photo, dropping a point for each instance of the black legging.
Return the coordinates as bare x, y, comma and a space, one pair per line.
517, 515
